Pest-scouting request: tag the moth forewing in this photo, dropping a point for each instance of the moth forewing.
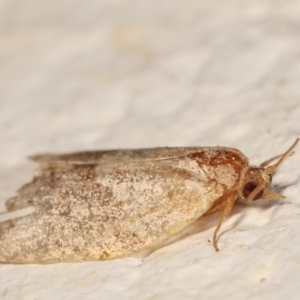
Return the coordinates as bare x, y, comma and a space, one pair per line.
108, 204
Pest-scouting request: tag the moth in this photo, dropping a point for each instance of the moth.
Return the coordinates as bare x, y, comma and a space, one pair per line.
101, 205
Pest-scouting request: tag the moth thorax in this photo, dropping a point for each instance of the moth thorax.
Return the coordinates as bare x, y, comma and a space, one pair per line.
256, 182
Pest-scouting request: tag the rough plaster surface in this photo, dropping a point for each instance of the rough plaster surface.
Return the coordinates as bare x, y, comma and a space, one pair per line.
130, 74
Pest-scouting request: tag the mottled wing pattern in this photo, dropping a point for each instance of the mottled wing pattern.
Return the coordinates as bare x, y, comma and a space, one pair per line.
108, 204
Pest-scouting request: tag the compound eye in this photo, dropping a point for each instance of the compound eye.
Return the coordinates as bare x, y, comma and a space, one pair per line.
249, 187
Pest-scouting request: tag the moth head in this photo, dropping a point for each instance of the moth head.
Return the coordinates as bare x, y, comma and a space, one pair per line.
256, 184
258, 179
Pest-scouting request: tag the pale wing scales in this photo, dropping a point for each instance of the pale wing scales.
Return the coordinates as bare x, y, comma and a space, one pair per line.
86, 212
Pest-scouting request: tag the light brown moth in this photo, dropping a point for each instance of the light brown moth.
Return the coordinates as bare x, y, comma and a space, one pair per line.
109, 204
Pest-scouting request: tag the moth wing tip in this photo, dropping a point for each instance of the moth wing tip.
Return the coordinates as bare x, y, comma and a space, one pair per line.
41, 158
36, 158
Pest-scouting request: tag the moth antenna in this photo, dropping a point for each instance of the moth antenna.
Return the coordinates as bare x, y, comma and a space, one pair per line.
271, 169
267, 162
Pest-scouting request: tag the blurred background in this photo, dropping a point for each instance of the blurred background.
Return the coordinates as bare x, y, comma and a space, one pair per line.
84, 75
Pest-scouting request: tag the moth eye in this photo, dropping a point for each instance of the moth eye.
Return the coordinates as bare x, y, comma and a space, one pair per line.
251, 186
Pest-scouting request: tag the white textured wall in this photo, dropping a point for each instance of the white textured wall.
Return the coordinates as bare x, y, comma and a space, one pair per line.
78, 75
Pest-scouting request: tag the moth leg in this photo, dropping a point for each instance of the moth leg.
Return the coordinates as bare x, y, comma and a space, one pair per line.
215, 208
267, 196
272, 196
226, 211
